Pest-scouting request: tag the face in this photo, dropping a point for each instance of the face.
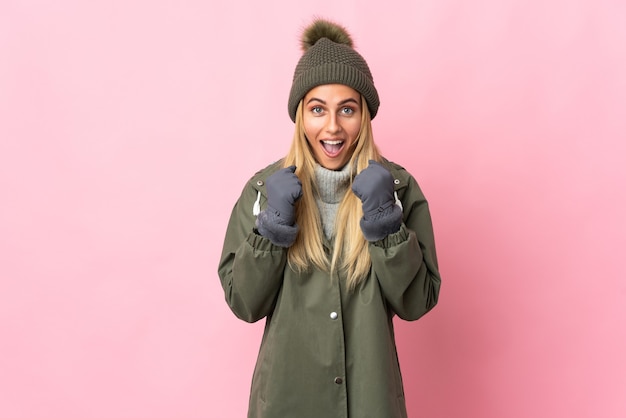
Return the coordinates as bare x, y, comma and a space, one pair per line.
332, 121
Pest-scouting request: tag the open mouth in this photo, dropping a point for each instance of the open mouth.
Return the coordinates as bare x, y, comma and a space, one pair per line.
332, 148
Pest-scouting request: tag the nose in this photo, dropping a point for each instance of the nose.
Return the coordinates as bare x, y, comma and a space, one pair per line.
333, 126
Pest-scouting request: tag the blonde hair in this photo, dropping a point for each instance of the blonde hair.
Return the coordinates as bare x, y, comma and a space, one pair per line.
350, 255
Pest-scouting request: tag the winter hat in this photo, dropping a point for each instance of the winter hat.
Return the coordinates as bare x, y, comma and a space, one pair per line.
329, 58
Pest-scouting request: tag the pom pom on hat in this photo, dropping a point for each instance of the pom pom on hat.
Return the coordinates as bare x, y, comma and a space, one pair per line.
329, 58
324, 29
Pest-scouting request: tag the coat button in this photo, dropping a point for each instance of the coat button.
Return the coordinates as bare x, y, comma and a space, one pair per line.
333, 315
259, 183
338, 380
396, 181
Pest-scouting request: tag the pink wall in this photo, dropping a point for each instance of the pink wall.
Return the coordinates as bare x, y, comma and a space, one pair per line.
128, 129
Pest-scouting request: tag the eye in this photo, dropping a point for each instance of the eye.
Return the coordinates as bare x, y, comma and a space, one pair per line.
316, 110
347, 110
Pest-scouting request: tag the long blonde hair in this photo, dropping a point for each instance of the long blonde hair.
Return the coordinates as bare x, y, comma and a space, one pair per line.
350, 255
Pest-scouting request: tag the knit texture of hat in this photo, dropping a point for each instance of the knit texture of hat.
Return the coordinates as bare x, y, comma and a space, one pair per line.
329, 58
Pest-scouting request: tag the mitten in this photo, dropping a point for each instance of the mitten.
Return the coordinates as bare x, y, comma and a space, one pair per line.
381, 216
277, 221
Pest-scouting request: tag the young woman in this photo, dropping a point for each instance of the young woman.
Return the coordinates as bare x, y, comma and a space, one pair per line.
328, 245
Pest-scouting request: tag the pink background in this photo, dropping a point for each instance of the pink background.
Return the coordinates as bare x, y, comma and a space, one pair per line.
128, 129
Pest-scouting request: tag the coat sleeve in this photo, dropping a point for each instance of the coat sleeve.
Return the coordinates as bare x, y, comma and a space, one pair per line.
405, 263
251, 268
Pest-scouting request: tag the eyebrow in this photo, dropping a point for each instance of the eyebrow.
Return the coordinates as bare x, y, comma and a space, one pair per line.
348, 100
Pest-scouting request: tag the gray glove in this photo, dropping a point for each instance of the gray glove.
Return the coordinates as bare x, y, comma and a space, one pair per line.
283, 191
277, 221
381, 216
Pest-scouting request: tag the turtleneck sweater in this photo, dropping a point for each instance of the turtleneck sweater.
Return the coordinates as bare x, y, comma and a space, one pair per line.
331, 187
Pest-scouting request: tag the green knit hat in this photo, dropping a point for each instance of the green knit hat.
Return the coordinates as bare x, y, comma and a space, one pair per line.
329, 58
